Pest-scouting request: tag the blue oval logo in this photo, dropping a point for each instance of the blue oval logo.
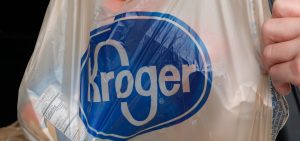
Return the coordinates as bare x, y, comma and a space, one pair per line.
143, 72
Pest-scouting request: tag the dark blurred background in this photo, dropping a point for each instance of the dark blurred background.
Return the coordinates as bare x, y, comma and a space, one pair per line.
20, 22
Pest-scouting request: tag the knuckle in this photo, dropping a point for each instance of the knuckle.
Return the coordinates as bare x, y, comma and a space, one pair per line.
267, 53
267, 28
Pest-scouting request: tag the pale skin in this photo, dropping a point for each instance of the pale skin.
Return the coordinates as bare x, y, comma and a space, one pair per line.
281, 41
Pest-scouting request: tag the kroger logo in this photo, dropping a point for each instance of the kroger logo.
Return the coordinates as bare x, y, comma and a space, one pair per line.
143, 72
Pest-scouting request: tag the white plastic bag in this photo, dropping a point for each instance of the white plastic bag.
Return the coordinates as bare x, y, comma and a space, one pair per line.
167, 70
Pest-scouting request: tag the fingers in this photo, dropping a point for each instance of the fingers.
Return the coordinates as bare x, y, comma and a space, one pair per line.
280, 30
285, 73
280, 52
286, 8
281, 41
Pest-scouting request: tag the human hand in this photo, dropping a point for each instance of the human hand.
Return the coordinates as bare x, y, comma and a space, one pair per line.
281, 41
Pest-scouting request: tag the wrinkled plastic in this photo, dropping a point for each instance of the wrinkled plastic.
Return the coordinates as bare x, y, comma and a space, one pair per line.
148, 70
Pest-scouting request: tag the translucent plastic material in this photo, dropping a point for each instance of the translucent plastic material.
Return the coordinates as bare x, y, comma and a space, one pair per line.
163, 70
